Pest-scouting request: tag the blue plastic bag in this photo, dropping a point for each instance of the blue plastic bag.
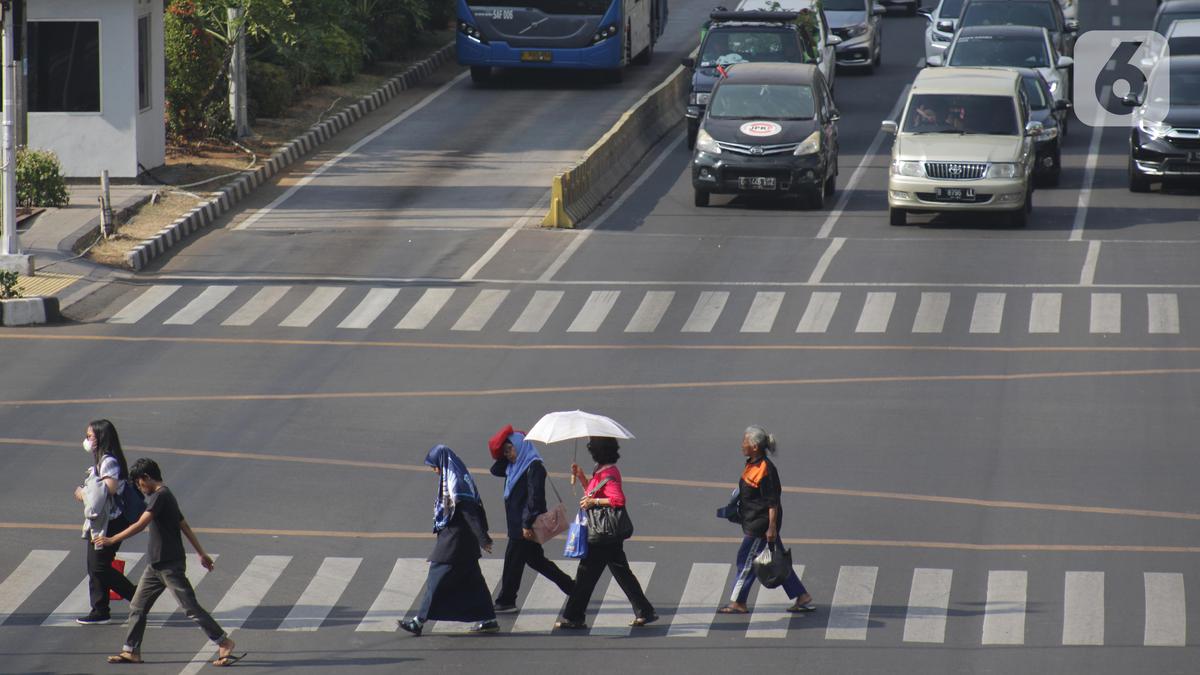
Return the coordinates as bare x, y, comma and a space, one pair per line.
577, 537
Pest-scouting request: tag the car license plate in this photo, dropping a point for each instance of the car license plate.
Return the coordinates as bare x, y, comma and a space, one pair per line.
956, 194
756, 182
536, 57
1193, 157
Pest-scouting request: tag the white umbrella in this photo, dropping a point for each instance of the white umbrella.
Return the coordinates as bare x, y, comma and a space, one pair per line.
575, 424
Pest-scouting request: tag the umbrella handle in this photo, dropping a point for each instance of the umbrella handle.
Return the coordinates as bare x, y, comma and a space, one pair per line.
575, 461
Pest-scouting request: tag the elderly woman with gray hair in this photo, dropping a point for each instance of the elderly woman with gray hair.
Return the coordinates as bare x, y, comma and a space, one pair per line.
761, 512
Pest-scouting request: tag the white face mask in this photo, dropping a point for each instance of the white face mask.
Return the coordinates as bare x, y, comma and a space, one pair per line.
87, 445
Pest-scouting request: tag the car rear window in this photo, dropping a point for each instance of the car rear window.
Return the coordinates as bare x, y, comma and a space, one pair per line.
1009, 14
1185, 87
951, 9
727, 47
1166, 19
1009, 51
961, 114
1184, 46
763, 101
844, 5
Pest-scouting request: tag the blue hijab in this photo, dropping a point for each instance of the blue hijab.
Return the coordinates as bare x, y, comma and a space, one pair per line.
455, 485
526, 454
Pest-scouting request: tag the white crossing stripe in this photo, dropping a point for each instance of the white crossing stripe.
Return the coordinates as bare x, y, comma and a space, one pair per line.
431, 302
650, 312
769, 617
595, 310
481, 309
255, 307
1164, 313
615, 614
537, 312
78, 601
1044, 312
166, 605
542, 604
931, 313
1004, 611
322, 594
928, 601
988, 313
701, 597
1166, 611
143, 304
492, 569
706, 312
1106, 313
1083, 608
33, 570
876, 312
763, 311
201, 305
317, 302
240, 601
850, 610
819, 312
397, 597
370, 308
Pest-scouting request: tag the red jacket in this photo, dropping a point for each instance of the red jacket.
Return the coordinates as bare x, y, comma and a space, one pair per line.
612, 489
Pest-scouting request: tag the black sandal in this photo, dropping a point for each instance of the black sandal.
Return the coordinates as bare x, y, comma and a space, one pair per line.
571, 625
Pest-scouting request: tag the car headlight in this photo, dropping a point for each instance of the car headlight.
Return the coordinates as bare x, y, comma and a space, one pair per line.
909, 168
699, 98
604, 33
706, 143
1004, 170
1153, 128
941, 37
1054, 87
1048, 134
854, 31
810, 145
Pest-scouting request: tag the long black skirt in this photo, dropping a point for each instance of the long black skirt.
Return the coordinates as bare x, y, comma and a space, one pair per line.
456, 592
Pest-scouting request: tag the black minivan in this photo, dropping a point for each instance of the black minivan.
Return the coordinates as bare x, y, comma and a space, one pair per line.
770, 129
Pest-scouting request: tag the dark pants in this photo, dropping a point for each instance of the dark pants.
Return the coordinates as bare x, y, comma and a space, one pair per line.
152, 584
744, 581
456, 592
101, 575
600, 556
518, 554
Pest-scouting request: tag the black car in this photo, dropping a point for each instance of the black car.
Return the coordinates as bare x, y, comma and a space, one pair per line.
741, 37
770, 129
1053, 115
1169, 148
1044, 13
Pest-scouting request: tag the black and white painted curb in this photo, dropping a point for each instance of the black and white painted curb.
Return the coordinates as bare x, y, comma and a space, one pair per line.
207, 212
29, 311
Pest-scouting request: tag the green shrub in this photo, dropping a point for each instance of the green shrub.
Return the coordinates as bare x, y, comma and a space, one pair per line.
194, 63
9, 285
324, 55
270, 90
39, 179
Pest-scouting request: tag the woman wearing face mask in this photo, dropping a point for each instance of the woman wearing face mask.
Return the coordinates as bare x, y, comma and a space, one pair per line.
104, 481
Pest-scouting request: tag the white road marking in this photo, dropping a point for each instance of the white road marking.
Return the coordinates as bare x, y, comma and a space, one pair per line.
931, 313
397, 596
1087, 276
431, 302
33, 570
370, 308
595, 310
819, 312
255, 307
877, 310
615, 614
537, 312
143, 304
313, 306
348, 152
988, 313
321, 595
701, 596
763, 311
706, 312
1083, 609
1089, 173
480, 310
1004, 611
1044, 312
928, 601
498, 245
650, 312
1166, 610
201, 305
826, 260
1116, 21
78, 601
1164, 313
167, 604
850, 610
492, 569
1106, 313
542, 604
769, 617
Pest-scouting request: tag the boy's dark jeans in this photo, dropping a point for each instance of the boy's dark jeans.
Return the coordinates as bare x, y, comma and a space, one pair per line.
153, 582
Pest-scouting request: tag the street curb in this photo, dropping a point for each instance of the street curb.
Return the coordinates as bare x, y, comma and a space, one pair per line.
29, 311
209, 210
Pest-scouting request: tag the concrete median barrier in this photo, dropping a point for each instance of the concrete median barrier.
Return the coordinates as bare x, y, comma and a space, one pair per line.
577, 191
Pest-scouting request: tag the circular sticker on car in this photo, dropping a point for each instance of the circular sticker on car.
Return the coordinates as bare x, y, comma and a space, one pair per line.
761, 129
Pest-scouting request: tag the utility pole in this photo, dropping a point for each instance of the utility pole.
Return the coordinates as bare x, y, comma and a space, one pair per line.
11, 259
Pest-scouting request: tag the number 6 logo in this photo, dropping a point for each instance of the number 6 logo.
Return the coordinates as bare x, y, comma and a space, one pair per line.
1112, 64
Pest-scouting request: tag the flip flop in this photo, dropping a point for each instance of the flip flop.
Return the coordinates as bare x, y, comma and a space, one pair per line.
125, 657
643, 620
802, 609
732, 610
571, 625
229, 660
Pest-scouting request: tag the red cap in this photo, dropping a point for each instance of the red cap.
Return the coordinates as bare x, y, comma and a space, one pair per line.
496, 442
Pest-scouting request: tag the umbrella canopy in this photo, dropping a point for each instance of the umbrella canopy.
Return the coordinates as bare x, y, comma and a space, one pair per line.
569, 424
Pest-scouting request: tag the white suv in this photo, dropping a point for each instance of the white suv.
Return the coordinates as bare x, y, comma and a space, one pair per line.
965, 143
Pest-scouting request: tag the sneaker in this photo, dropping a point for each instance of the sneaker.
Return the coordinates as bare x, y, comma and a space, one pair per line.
413, 626
505, 607
485, 627
93, 619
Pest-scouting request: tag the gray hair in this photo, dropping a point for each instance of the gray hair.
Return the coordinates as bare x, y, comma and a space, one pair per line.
760, 438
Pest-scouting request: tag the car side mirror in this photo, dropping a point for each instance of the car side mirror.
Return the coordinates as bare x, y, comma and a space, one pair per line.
835, 116
934, 61
1072, 26
927, 13
878, 9
1033, 128
833, 41
688, 62
1062, 104
889, 127
1065, 62
946, 26
1130, 100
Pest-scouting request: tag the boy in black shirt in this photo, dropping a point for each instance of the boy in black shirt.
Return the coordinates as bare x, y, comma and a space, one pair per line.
165, 566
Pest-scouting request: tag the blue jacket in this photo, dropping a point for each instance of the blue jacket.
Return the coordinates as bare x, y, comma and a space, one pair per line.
527, 500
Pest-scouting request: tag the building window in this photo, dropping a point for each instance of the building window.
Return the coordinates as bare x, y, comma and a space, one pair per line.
64, 66
143, 63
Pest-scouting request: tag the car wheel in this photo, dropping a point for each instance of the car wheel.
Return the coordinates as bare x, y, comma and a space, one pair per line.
1138, 182
816, 198
879, 53
830, 184
692, 131
700, 198
481, 74
897, 217
1018, 218
647, 54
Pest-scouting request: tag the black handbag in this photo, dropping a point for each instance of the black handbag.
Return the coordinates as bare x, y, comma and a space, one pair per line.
773, 566
608, 524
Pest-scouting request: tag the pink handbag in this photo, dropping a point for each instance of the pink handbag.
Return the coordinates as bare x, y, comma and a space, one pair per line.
553, 522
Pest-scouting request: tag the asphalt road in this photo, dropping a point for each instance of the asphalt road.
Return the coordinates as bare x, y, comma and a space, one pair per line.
987, 434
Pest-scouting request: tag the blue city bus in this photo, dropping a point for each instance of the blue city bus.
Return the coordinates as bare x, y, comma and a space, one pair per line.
583, 34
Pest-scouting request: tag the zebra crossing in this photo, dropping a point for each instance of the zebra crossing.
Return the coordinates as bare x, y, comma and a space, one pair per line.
471, 310
938, 611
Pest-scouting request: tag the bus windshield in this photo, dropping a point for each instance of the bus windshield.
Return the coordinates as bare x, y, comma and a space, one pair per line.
575, 7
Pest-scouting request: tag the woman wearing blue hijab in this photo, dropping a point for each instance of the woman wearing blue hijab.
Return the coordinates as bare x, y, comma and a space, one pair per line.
455, 589
520, 465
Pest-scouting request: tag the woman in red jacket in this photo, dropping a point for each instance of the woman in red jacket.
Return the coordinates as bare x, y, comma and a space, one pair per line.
599, 556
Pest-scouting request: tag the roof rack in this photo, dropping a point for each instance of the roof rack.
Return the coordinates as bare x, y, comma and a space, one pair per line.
755, 16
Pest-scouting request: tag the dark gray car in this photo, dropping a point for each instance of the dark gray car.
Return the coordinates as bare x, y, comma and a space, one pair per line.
1044, 13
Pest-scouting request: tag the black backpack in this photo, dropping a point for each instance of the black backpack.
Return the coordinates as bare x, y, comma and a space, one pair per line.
132, 503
